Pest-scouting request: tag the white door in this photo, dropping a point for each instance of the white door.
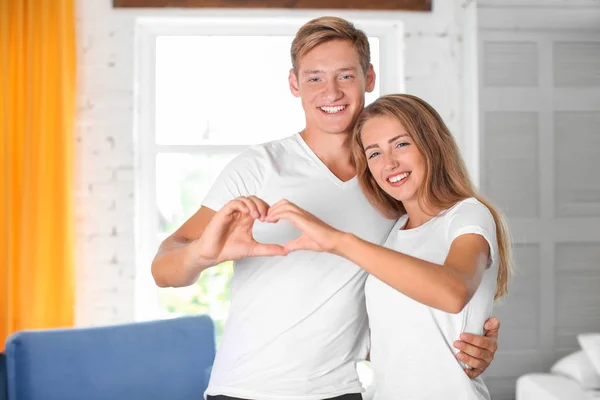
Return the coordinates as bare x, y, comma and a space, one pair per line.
540, 163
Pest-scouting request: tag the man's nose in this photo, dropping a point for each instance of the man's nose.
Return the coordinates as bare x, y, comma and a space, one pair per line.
332, 91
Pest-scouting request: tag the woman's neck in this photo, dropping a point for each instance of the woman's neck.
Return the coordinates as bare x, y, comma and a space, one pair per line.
417, 213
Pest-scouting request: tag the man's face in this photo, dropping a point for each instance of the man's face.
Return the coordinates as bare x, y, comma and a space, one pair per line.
331, 83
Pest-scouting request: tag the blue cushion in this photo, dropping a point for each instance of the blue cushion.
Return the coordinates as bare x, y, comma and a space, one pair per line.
3, 386
154, 360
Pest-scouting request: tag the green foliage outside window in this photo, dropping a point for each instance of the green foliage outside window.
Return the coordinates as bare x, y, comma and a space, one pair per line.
209, 295
182, 183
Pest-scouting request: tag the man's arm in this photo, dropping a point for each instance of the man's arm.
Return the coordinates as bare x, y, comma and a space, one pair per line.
175, 263
478, 351
180, 260
209, 238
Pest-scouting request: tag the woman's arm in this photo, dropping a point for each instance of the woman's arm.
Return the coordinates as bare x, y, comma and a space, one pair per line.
476, 351
448, 287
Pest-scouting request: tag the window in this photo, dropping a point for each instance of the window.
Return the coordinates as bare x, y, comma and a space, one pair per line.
206, 89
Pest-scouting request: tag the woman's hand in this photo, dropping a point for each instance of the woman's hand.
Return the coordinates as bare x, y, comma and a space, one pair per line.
228, 235
316, 234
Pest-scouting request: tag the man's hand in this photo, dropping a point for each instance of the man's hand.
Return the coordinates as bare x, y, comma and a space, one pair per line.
478, 351
228, 236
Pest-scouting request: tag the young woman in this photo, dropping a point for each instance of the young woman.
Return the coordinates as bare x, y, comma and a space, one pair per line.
445, 261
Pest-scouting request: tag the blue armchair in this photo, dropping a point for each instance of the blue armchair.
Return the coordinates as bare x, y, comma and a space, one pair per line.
156, 360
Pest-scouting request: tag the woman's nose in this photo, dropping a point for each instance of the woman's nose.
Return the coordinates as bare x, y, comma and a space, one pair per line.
389, 161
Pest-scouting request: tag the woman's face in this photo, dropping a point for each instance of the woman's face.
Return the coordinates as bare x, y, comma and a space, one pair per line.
394, 161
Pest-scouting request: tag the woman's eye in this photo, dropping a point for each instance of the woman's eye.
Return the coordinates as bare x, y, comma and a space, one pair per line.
402, 144
374, 154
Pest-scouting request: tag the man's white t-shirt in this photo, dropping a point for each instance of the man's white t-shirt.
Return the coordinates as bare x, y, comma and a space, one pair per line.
297, 324
411, 344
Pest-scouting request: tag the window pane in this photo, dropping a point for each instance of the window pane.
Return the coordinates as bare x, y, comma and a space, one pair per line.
209, 295
182, 181
228, 89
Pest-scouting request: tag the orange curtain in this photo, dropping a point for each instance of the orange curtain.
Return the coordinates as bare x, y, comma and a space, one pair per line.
37, 108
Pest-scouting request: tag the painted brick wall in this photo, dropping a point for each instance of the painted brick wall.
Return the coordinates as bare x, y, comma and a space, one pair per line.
104, 134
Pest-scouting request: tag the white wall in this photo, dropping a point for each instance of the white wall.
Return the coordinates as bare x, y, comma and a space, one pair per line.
435, 59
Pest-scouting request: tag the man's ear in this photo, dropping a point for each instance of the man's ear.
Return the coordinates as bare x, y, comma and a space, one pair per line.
370, 79
293, 81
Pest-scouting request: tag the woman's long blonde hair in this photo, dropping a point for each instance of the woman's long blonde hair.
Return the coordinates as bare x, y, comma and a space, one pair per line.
446, 180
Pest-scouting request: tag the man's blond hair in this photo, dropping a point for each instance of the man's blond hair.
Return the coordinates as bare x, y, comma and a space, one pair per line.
324, 29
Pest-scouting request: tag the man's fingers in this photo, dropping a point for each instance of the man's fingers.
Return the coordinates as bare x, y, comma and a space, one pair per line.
488, 343
236, 206
474, 351
472, 362
261, 206
473, 373
492, 325
251, 206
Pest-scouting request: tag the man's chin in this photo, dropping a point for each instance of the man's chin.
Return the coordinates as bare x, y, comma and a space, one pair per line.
337, 129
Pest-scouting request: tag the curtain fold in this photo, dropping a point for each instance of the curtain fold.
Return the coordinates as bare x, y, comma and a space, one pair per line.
37, 115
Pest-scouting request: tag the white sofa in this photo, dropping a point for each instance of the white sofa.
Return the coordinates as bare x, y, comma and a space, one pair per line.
574, 377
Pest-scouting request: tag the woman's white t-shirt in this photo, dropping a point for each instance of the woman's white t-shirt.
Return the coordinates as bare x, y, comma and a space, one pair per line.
411, 344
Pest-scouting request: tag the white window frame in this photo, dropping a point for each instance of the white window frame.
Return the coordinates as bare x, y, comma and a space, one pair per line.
391, 80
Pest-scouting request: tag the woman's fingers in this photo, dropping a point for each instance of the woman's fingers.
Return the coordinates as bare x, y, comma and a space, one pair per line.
265, 250
302, 243
283, 213
277, 210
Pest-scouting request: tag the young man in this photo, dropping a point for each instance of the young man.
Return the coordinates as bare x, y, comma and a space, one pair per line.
297, 324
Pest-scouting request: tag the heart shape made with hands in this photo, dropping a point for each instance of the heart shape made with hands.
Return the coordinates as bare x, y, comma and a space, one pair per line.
268, 230
230, 234
315, 235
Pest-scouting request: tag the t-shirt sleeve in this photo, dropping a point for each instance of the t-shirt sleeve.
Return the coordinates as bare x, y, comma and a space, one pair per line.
243, 176
472, 217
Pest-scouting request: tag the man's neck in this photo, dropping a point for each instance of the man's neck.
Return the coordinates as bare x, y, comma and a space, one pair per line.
333, 150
